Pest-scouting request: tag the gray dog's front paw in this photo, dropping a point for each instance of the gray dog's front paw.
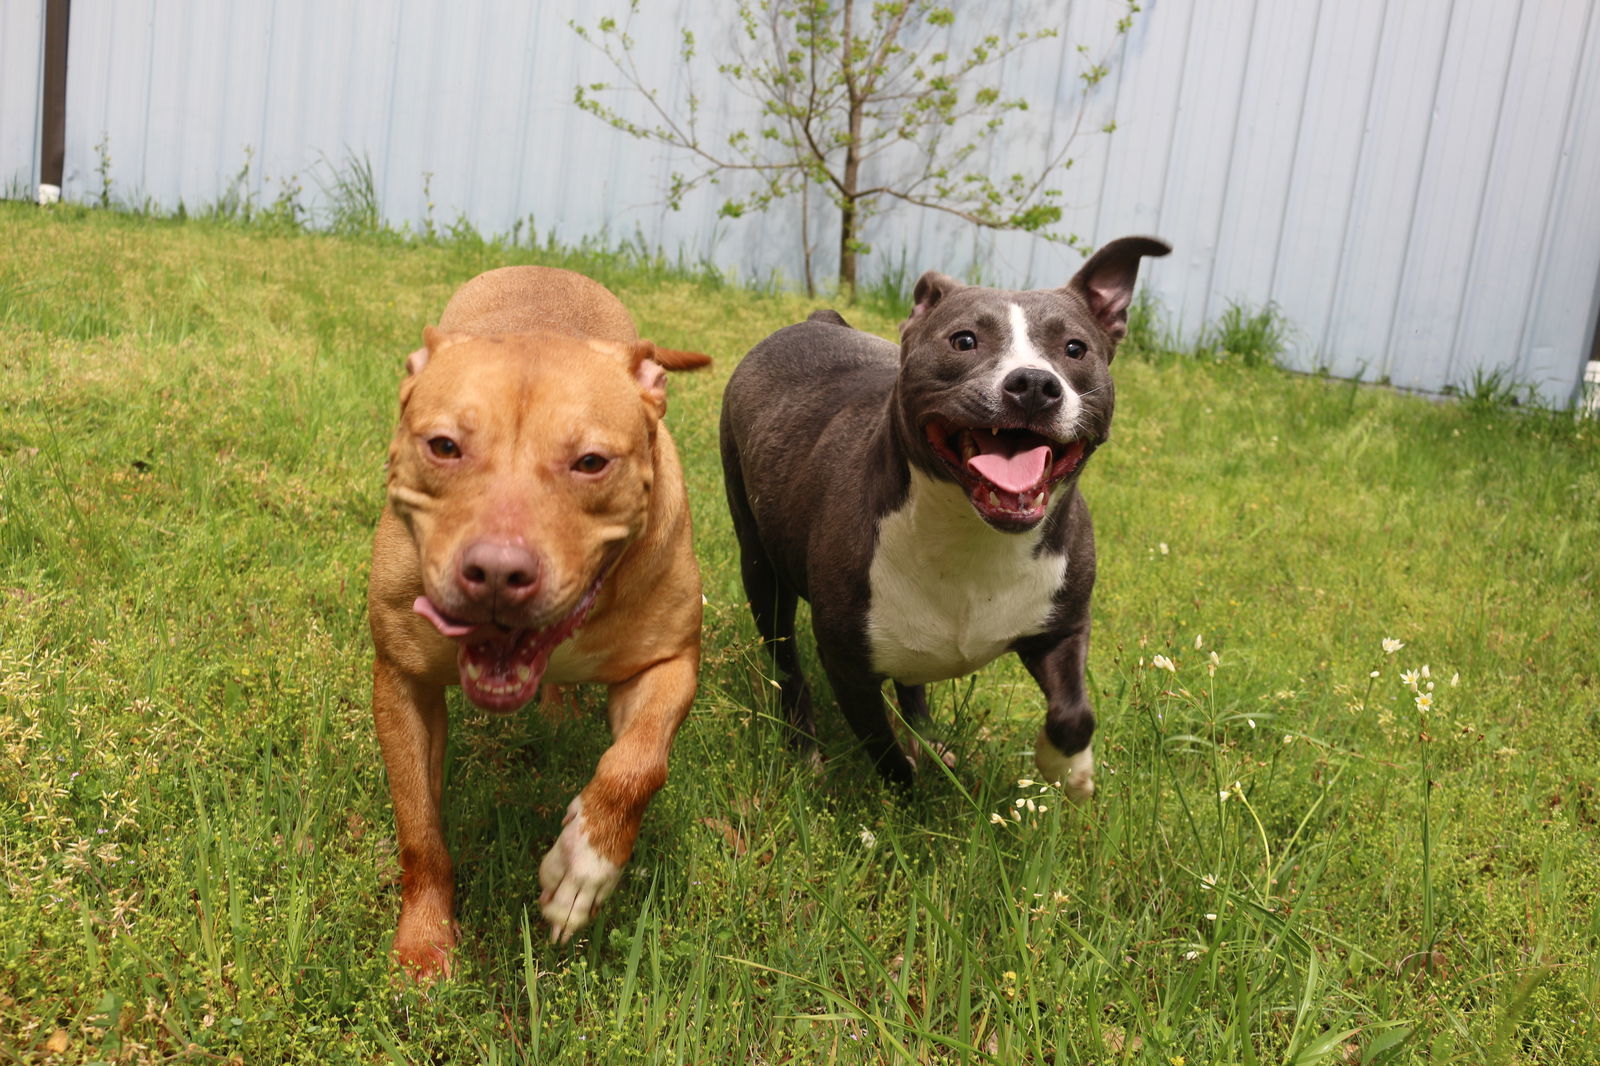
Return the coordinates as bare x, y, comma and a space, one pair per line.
1073, 773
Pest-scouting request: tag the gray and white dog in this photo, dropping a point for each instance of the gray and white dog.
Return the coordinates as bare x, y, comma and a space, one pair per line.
925, 500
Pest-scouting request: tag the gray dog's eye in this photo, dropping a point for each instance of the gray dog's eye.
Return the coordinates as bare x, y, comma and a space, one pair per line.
444, 448
1076, 349
964, 341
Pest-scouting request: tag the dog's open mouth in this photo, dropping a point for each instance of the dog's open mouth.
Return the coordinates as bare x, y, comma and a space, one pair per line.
1009, 473
501, 668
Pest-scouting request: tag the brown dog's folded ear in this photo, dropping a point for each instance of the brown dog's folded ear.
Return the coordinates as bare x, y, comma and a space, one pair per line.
434, 340
931, 288
1106, 281
649, 366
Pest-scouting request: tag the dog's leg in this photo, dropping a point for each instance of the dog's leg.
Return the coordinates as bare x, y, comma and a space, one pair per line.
602, 822
1063, 751
412, 726
773, 604
774, 609
859, 693
913, 701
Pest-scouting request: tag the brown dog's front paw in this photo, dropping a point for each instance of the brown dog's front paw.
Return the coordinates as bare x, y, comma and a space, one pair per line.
575, 878
425, 954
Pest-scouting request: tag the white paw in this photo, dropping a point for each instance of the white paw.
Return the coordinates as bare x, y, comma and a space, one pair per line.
1074, 773
936, 749
574, 879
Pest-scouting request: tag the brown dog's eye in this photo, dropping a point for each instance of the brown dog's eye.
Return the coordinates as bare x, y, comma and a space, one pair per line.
591, 463
1076, 349
964, 341
444, 448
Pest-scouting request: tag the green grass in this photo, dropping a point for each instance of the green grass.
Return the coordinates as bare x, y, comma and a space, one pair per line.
195, 837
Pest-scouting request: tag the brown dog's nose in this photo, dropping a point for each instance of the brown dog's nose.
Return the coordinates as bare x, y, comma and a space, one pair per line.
493, 573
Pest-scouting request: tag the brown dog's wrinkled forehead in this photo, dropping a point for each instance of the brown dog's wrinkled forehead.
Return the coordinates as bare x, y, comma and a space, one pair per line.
544, 367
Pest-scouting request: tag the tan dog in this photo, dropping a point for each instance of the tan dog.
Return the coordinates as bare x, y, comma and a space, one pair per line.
532, 490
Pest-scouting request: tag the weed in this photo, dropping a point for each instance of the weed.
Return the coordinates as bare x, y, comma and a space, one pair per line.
1251, 337
1148, 335
889, 290
430, 232
237, 202
351, 193
102, 151
1491, 392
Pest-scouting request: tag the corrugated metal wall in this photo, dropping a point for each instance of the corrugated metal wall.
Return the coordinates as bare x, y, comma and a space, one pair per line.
21, 71
1416, 185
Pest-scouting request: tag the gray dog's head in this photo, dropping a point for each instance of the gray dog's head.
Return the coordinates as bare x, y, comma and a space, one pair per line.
1007, 393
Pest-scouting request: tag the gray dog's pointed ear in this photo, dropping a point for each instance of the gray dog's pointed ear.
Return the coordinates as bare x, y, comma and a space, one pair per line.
1107, 279
931, 288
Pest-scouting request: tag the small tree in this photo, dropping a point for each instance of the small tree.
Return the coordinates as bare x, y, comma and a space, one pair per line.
856, 99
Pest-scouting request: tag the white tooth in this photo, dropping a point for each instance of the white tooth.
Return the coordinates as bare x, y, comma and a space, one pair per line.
969, 447
524, 674
994, 501
474, 671
1038, 501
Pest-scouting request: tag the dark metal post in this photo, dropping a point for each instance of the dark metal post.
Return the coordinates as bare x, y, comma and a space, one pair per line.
53, 124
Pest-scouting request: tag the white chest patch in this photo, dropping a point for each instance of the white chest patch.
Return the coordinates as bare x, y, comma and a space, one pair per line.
950, 593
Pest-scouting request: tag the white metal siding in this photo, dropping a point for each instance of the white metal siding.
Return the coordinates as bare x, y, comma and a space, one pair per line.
1416, 185
21, 72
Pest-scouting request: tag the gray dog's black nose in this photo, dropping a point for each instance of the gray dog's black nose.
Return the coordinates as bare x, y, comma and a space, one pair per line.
498, 573
1032, 389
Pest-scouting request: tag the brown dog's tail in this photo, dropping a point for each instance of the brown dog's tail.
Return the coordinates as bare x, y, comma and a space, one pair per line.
671, 358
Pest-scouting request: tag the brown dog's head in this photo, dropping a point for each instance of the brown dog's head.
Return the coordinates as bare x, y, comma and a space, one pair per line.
522, 467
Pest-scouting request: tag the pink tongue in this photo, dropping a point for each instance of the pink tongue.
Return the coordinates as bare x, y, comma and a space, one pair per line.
448, 627
1013, 473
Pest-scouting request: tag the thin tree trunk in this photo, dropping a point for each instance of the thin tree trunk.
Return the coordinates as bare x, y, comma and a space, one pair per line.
850, 180
847, 247
805, 237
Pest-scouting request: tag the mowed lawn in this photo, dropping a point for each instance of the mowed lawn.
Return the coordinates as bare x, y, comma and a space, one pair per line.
1287, 860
